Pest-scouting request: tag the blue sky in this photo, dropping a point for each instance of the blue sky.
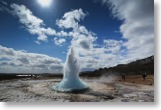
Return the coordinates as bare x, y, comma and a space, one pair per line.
103, 33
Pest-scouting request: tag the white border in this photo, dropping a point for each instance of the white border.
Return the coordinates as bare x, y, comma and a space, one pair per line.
104, 106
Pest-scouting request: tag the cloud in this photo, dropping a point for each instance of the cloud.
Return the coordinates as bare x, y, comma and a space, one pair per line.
111, 42
62, 34
90, 57
112, 45
33, 24
23, 62
3, 2
37, 42
36, 26
81, 37
138, 25
84, 44
137, 37
71, 19
3, 7
58, 41
83, 41
99, 57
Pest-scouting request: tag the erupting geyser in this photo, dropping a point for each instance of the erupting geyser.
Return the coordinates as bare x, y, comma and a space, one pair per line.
71, 81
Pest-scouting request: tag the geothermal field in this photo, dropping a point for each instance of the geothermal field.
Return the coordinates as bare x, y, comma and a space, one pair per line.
103, 89
77, 51
72, 88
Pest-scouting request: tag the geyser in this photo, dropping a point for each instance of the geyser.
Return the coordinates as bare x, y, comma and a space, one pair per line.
71, 81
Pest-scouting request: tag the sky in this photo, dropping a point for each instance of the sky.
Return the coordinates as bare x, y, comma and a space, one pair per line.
35, 35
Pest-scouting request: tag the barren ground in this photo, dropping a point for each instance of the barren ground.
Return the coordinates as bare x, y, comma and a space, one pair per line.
134, 89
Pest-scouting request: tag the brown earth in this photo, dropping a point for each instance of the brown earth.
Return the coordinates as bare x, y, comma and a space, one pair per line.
138, 79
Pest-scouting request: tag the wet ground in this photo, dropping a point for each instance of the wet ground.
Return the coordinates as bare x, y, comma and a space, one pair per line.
29, 90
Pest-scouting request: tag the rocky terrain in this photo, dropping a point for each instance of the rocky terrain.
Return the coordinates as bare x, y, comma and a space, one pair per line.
101, 90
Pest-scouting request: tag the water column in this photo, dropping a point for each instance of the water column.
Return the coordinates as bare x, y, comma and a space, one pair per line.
71, 81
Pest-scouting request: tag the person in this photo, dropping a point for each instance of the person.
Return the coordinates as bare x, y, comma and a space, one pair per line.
123, 76
144, 76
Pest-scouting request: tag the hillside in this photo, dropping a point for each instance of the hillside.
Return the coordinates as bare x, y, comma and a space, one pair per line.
134, 68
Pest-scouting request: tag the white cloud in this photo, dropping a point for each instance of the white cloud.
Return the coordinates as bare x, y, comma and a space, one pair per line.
3, 2
36, 26
112, 45
83, 41
3, 7
71, 19
89, 56
99, 57
59, 41
137, 30
138, 25
82, 38
112, 42
26, 16
32, 23
22, 62
83, 30
37, 42
62, 34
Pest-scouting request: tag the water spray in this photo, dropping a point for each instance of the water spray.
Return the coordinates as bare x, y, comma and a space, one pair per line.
71, 81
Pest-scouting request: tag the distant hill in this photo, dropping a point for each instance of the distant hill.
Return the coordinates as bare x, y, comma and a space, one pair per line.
136, 67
